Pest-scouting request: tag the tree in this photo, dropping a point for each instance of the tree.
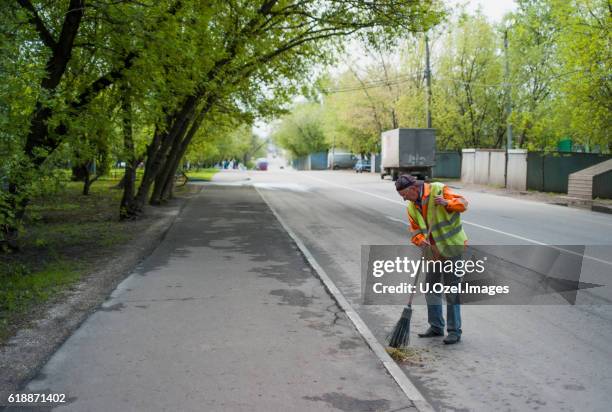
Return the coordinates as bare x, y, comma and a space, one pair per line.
532, 35
166, 67
361, 104
69, 53
284, 40
468, 86
301, 131
584, 87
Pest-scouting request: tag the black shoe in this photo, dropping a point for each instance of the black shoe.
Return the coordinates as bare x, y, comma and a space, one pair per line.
451, 339
430, 333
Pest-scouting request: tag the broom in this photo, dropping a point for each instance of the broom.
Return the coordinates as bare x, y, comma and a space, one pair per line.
400, 336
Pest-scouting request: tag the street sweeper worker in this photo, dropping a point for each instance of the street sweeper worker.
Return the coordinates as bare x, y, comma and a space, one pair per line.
435, 211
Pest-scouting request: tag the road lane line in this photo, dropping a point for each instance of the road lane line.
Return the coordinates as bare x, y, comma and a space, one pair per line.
405, 384
469, 223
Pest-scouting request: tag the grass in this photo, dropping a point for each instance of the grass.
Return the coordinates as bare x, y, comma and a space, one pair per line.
65, 235
21, 290
204, 174
116, 173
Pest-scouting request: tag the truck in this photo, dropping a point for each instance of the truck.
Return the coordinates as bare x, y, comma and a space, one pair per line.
408, 151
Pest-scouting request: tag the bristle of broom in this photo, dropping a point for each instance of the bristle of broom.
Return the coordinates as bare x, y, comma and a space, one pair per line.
400, 336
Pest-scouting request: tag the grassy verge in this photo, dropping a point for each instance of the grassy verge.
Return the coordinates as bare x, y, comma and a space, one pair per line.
65, 235
204, 174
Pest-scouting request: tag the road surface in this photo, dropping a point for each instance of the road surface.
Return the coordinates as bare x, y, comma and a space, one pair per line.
555, 358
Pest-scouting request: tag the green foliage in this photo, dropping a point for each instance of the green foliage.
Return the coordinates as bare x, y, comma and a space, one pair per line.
203, 174
193, 72
584, 86
20, 289
301, 131
223, 139
64, 234
468, 102
559, 82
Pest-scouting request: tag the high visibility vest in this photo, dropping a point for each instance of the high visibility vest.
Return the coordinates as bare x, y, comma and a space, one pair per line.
446, 228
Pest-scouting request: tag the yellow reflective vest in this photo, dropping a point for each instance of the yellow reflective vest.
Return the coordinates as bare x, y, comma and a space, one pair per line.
445, 228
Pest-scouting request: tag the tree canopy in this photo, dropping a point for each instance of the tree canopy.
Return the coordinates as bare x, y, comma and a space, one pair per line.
557, 82
142, 80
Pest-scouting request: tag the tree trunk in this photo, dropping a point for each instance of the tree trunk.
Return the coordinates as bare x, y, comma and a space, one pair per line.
156, 156
121, 183
38, 135
133, 207
173, 141
164, 174
87, 181
131, 163
179, 149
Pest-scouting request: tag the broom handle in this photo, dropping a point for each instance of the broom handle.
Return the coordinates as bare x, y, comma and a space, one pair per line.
416, 278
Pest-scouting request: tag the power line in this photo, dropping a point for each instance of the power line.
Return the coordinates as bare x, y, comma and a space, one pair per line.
406, 78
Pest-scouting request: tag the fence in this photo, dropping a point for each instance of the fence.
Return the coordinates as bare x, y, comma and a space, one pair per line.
517, 169
488, 167
484, 166
545, 172
313, 161
448, 164
549, 172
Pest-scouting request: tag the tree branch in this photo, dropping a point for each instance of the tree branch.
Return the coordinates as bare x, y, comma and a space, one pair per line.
45, 36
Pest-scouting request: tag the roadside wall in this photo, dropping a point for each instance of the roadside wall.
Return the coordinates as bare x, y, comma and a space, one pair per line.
318, 161
602, 185
300, 163
549, 172
447, 164
545, 172
314, 161
468, 162
483, 166
517, 169
375, 160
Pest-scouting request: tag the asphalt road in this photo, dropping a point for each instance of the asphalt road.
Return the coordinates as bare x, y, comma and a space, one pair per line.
555, 358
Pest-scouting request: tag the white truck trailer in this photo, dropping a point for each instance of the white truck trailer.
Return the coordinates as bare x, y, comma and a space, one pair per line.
408, 151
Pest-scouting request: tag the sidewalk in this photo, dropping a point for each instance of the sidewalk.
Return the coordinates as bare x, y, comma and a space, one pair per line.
225, 315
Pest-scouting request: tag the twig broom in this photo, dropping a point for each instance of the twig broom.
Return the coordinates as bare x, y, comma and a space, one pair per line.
400, 336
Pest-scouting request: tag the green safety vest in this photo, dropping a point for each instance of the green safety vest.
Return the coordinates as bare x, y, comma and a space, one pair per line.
446, 228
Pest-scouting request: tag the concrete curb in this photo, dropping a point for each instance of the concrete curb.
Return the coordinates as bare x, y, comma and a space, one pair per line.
409, 389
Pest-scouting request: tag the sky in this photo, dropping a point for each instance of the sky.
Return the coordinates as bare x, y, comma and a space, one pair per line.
493, 9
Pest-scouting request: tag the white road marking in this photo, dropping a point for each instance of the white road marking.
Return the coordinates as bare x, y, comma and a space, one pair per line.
466, 222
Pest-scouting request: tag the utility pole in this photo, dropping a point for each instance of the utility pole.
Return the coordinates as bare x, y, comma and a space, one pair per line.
333, 156
428, 81
508, 105
508, 92
333, 148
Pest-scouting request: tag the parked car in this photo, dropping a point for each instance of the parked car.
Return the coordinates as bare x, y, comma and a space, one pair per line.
362, 166
261, 164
